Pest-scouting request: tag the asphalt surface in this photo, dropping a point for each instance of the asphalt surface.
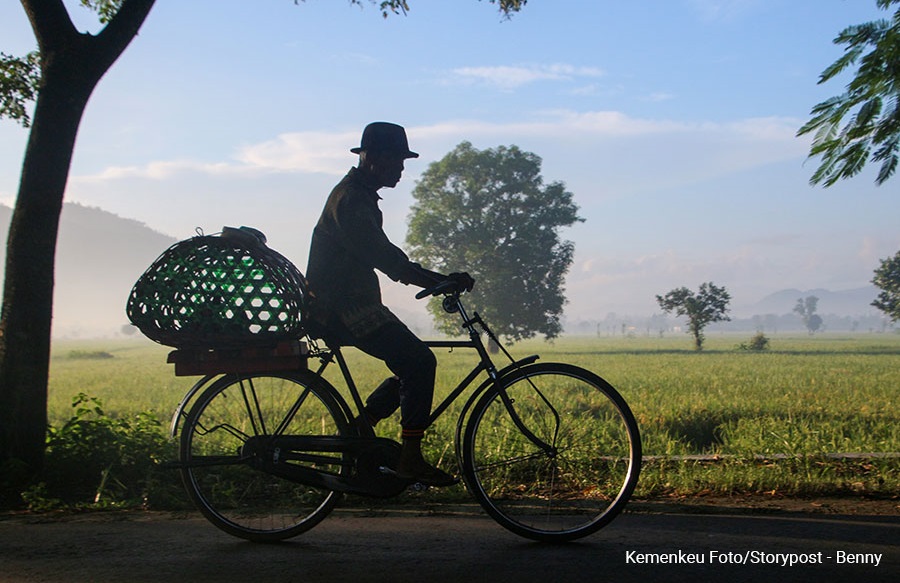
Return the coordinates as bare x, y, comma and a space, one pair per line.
458, 545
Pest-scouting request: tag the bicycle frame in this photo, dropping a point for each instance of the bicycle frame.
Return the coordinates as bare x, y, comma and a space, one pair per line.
452, 304
344, 457
485, 363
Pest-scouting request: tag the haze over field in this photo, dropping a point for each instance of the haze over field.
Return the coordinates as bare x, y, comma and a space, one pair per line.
673, 123
101, 255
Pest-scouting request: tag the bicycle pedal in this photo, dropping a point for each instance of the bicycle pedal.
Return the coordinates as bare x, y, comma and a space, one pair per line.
414, 486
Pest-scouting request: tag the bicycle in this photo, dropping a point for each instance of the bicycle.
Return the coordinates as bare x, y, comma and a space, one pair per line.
267, 445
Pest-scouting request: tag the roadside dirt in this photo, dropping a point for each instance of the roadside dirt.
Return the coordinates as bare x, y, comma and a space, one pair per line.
742, 504
759, 504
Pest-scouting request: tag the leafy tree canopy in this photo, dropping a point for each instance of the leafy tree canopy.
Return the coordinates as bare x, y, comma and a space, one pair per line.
105, 9
489, 212
871, 104
708, 305
887, 279
19, 77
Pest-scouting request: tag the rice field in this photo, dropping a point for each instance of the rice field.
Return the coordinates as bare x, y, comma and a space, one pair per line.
811, 415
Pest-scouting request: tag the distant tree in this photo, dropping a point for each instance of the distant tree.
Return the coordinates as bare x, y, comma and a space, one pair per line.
708, 305
871, 103
806, 308
814, 324
490, 213
887, 279
61, 76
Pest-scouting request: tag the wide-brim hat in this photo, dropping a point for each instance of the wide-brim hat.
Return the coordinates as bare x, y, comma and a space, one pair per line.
385, 137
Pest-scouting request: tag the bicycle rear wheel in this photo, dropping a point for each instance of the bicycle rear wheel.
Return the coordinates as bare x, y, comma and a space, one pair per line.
223, 443
552, 452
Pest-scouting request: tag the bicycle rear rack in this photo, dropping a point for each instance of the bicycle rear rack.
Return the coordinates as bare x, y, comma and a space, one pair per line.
286, 355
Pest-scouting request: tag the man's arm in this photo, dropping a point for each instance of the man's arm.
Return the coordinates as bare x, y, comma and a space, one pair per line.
415, 274
366, 239
360, 228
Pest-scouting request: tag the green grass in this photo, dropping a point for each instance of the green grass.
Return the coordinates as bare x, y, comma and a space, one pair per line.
134, 380
770, 416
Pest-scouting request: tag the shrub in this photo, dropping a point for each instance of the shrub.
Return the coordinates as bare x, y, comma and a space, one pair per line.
97, 460
89, 354
758, 343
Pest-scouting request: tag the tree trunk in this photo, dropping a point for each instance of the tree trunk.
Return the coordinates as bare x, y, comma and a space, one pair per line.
72, 64
31, 250
698, 337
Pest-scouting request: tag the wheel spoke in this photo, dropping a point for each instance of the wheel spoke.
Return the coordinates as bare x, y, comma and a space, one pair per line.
586, 468
226, 443
510, 461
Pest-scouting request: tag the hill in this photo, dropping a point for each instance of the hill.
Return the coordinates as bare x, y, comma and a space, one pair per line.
99, 257
851, 302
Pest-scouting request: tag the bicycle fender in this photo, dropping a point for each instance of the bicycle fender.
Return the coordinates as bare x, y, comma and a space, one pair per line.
181, 411
518, 364
460, 423
500, 374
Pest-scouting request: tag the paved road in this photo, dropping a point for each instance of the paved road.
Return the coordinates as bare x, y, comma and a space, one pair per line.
465, 547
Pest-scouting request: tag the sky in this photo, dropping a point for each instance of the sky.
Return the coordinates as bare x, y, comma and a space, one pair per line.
673, 123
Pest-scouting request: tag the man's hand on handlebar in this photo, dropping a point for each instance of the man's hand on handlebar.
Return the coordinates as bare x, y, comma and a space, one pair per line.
463, 280
455, 282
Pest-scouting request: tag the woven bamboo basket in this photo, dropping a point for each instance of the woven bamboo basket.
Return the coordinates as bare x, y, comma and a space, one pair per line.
219, 291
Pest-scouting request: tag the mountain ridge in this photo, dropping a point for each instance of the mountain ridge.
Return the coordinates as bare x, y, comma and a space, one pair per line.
99, 256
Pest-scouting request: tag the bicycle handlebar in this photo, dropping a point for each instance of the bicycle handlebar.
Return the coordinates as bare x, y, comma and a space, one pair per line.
444, 287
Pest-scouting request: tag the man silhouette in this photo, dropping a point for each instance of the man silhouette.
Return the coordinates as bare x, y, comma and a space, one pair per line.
348, 245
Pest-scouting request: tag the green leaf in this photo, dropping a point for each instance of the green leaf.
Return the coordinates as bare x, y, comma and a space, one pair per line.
853, 127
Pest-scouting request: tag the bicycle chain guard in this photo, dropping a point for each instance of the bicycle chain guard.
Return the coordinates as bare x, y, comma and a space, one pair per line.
374, 476
371, 459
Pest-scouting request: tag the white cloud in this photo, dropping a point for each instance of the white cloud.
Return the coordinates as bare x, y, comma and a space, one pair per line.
511, 77
555, 124
721, 10
161, 170
765, 128
609, 124
695, 149
302, 152
658, 97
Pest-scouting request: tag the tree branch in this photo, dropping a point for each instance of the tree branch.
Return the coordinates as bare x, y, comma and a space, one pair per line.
50, 22
124, 26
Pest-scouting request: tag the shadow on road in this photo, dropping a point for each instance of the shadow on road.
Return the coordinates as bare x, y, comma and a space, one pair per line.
400, 547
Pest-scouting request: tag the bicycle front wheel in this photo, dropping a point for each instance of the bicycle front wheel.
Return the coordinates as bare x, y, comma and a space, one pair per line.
552, 452
224, 441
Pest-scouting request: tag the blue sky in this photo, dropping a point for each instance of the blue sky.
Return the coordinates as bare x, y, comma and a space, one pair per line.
673, 123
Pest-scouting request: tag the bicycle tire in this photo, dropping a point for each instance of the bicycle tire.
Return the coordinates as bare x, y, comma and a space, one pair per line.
219, 473
577, 470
